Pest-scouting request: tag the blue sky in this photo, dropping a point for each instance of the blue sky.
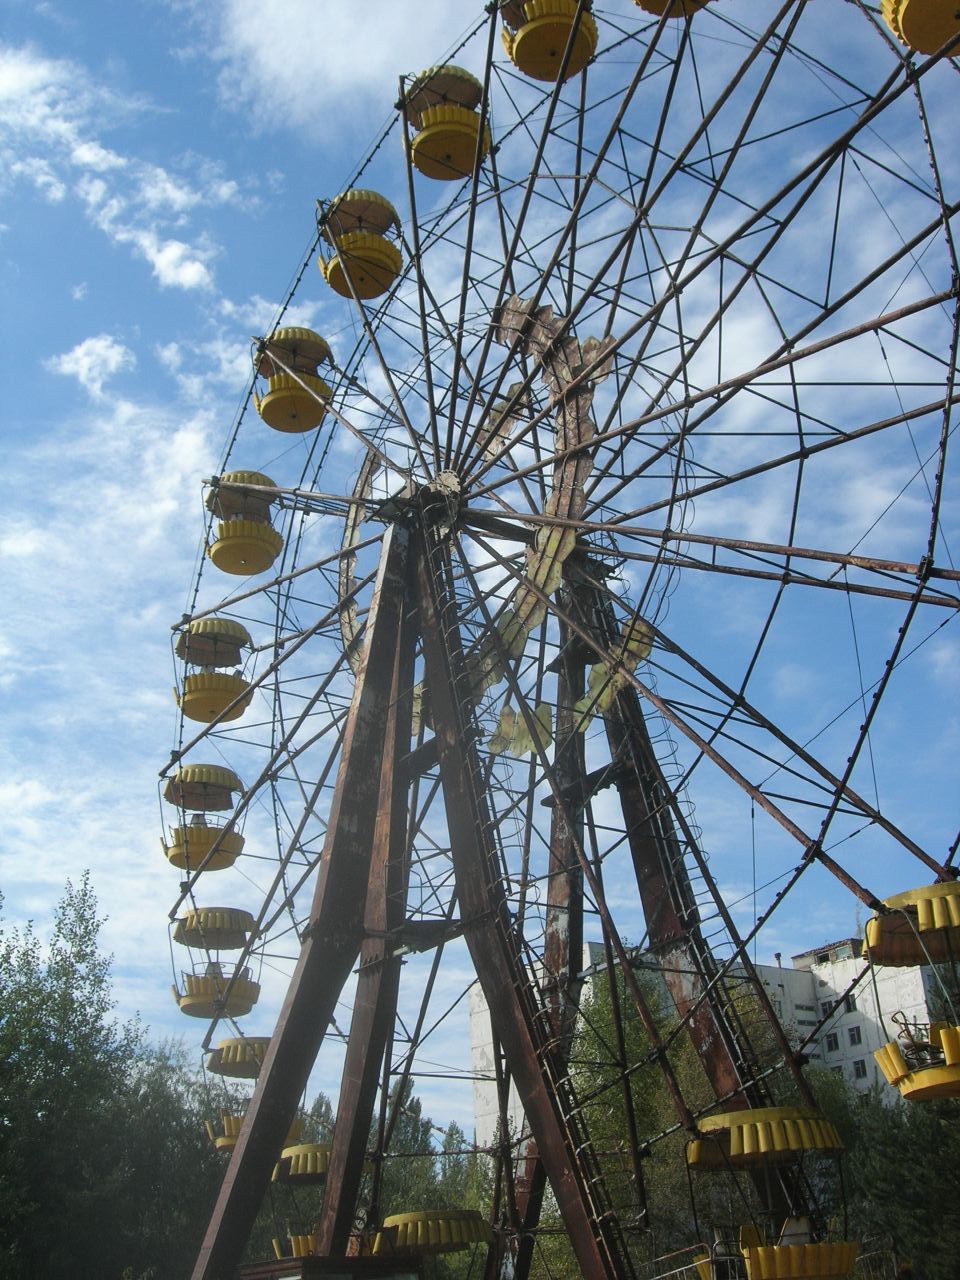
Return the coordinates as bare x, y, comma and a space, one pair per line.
160, 164
160, 178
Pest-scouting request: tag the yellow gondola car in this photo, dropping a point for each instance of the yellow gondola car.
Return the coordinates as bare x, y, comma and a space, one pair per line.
924, 25
202, 786
296, 1246
239, 1057
211, 694
926, 1064
536, 34
430, 1231
296, 397
246, 542
224, 1136
303, 1164
214, 928
200, 843
204, 995
364, 262
918, 926
441, 109
760, 1135
758, 1138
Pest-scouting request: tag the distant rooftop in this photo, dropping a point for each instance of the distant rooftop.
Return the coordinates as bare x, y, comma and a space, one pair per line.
842, 949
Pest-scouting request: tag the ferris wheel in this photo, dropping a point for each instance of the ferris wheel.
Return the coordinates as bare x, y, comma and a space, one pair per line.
572, 605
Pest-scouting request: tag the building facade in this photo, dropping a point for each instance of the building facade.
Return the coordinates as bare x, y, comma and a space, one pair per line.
828, 1001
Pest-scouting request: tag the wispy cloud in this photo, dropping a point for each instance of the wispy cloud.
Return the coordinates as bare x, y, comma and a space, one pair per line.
93, 362
290, 62
53, 115
95, 573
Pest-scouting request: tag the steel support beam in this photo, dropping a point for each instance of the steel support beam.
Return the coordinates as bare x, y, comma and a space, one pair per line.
529, 1047
666, 895
378, 981
333, 937
563, 947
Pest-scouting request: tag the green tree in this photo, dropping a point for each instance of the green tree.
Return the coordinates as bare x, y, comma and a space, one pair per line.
901, 1171
103, 1167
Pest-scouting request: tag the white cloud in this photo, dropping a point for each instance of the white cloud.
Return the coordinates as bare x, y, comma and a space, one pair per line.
93, 362
944, 658
51, 113
95, 574
91, 155
38, 171
291, 62
173, 261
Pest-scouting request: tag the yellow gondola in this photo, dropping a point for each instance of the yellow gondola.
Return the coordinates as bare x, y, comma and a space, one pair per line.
364, 262
245, 541
202, 786
296, 395
200, 843
760, 1135
213, 642
295, 1246
239, 1057
768, 1137
924, 25
205, 995
536, 34
441, 109
815, 1260
920, 926
304, 1163
432, 1231
214, 928
210, 694
213, 695
926, 1065
224, 1136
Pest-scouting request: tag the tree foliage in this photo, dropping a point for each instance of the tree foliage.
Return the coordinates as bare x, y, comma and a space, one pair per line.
104, 1169
901, 1172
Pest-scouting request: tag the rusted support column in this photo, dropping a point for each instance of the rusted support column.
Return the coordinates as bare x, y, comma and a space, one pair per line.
334, 934
375, 1003
675, 939
541, 1078
563, 947
669, 907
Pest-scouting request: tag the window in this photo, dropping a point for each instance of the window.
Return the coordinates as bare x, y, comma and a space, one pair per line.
837, 1071
859, 1069
832, 1043
854, 1034
807, 1008
850, 1003
826, 1008
806, 1022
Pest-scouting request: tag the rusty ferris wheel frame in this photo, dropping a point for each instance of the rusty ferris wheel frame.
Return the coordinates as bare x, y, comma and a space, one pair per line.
538, 478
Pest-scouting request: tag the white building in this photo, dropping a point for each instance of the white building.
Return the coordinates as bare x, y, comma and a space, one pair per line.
857, 1022
815, 989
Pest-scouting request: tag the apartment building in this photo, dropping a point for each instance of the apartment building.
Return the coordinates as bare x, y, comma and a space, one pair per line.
817, 998
828, 1000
